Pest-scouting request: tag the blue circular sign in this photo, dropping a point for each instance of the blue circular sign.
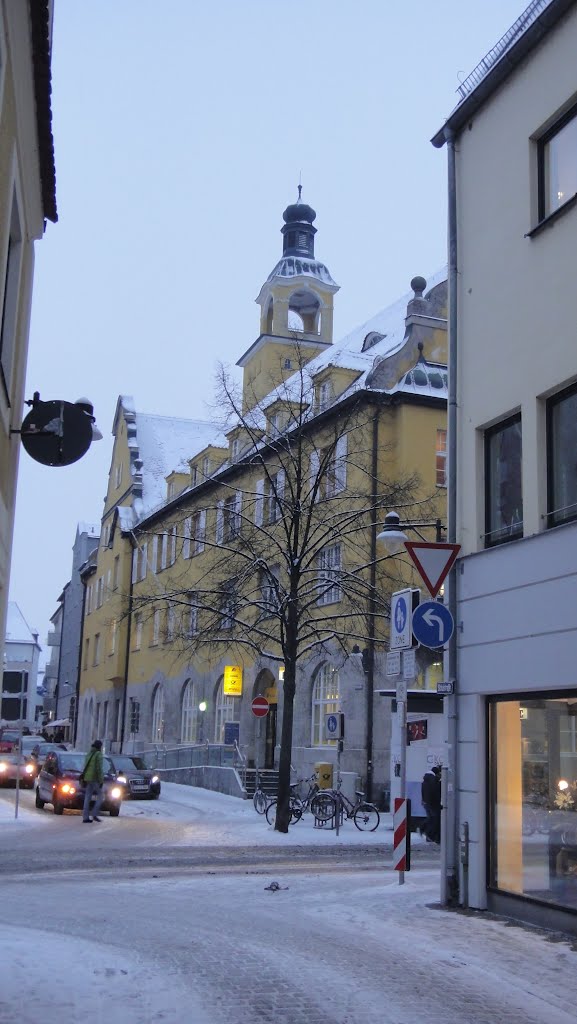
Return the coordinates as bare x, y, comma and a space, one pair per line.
433, 624
332, 723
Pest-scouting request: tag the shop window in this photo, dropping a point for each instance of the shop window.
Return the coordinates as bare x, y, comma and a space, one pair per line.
225, 712
503, 490
562, 457
533, 797
190, 712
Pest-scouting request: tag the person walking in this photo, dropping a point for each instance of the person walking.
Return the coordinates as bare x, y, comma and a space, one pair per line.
431, 801
93, 778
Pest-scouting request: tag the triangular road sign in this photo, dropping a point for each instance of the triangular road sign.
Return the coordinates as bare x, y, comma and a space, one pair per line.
433, 562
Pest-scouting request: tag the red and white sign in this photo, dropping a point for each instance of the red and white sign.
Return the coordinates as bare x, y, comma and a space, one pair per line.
433, 562
401, 848
260, 707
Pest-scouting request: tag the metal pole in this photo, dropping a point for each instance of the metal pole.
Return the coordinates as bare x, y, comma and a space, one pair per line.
402, 717
449, 870
338, 802
19, 761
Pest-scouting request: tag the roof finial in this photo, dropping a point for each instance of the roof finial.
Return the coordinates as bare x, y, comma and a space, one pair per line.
300, 186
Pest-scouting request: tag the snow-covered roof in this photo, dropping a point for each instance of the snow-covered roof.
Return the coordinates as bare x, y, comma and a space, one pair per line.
166, 444
90, 529
17, 629
300, 266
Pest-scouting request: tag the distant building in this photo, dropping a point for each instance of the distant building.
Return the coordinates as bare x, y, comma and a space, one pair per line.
27, 201
61, 675
20, 699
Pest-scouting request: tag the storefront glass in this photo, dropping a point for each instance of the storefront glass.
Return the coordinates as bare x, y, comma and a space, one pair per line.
533, 797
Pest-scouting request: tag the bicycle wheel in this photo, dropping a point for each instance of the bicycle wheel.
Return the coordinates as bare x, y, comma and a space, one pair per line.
271, 813
297, 808
366, 817
259, 800
323, 806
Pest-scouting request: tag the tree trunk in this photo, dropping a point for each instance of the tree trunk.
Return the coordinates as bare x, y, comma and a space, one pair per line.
284, 765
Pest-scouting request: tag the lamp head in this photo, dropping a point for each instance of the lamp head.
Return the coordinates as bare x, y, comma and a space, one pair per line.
392, 537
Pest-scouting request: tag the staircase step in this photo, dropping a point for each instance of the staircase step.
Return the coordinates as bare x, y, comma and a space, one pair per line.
268, 779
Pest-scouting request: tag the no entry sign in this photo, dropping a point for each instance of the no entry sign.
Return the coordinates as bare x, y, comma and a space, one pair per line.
260, 707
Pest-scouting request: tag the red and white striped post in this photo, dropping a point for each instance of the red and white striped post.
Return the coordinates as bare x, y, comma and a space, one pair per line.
401, 837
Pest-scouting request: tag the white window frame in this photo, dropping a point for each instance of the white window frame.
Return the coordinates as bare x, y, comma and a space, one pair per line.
186, 539
155, 627
330, 568
441, 457
189, 714
157, 735
324, 701
137, 631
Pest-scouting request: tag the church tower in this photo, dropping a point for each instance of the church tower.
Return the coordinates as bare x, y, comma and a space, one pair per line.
296, 309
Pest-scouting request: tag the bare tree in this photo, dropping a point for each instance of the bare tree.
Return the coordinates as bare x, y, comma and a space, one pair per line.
294, 567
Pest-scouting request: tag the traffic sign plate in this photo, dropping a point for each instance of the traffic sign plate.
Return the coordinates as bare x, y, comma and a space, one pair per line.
433, 624
401, 615
335, 726
433, 562
260, 707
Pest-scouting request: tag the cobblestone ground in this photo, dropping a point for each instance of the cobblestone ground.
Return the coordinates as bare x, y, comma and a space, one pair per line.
328, 948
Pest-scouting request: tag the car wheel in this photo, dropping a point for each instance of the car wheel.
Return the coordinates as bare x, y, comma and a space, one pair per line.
114, 812
39, 803
57, 806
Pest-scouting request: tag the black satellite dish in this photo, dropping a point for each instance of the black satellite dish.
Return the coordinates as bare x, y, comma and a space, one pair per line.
57, 433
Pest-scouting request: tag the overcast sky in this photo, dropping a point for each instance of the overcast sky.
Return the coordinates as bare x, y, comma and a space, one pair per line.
180, 132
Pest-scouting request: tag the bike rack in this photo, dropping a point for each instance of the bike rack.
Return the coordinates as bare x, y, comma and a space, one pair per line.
330, 823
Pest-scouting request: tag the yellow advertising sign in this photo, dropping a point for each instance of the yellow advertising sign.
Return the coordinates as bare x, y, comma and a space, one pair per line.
232, 681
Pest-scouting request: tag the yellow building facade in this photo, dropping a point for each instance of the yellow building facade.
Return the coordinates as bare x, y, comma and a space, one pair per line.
200, 537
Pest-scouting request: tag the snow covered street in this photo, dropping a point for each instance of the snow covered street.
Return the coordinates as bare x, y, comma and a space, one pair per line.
234, 942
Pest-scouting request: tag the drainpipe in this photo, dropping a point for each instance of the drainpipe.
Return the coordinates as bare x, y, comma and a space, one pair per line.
369, 664
449, 866
79, 667
127, 652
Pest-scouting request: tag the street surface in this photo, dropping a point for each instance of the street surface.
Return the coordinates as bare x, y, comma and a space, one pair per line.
297, 929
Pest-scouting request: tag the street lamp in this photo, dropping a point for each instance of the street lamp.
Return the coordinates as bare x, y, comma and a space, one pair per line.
393, 538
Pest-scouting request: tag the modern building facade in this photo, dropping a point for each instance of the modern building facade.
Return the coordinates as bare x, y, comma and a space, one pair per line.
512, 144
170, 616
27, 201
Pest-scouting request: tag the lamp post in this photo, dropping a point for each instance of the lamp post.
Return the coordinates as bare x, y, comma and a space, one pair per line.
393, 538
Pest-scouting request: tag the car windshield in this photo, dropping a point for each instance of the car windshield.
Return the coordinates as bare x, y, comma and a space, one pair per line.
127, 764
74, 762
10, 735
11, 759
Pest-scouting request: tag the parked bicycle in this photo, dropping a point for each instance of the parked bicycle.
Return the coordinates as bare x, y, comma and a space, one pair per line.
364, 814
261, 800
316, 801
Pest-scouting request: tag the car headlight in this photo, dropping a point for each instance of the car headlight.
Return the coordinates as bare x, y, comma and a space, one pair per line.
3, 766
116, 793
155, 778
122, 779
29, 769
67, 788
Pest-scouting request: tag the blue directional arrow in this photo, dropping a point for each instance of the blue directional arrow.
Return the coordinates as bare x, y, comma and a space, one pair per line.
433, 624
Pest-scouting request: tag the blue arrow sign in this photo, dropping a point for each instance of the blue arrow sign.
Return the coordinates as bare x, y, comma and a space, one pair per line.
433, 624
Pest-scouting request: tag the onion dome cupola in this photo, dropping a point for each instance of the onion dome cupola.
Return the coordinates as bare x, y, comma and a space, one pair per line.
298, 231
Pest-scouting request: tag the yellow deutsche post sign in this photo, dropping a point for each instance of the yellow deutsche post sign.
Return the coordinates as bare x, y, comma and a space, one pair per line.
233, 680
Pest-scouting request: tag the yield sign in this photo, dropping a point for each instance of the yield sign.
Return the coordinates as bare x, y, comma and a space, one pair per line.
433, 562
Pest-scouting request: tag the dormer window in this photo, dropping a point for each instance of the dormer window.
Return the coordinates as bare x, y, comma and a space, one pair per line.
235, 448
324, 395
206, 466
274, 424
171, 490
194, 476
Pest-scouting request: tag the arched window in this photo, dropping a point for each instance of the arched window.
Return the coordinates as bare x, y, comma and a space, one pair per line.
325, 702
158, 715
189, 719
225, 712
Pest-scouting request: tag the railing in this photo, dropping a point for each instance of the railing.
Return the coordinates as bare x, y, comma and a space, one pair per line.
530, 15
201, 754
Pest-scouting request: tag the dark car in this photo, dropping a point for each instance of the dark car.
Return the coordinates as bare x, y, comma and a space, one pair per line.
59, 783
135, 777
40, 750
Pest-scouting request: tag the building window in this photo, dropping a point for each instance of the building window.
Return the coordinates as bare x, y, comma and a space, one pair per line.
324, 395
275, 496
329, 586
116, 572
225, 712
155, 627
86, 653
189, 717
118, 475
137, 632
206, 467
533, 796
192, 610
325, 701
269, 590
170, 490
441, 459
562, 457
335, 479
172, 545
235, 448
158, 715
227, 609
170, 622
231, 513
503, 488
12, 276
198, 531
557, 161
194, 476
113, 636
96, 655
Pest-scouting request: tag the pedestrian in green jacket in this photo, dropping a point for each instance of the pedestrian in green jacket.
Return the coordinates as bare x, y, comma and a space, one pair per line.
93, 775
